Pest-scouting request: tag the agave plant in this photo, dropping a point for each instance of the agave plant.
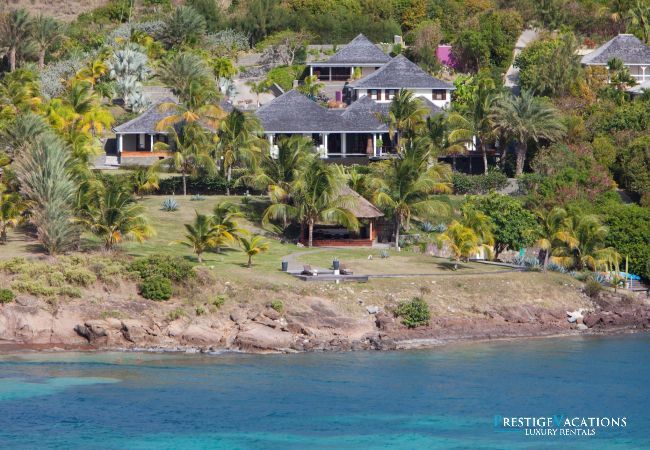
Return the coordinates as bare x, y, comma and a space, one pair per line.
170, 205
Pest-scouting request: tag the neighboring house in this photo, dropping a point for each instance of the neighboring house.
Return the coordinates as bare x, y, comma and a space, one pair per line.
359, 53
400, 73
332, 235
640, 89
355, 131
634, 54
135, 140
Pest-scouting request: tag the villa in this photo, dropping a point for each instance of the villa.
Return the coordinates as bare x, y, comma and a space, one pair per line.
359, 57
634, 54
356, 131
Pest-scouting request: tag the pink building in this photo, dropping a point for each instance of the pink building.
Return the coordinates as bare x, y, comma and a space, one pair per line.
443, 53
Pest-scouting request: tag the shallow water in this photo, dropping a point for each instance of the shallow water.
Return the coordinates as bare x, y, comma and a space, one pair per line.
438, 398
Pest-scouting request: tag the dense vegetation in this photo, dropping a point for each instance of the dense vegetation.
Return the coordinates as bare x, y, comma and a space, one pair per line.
571, 137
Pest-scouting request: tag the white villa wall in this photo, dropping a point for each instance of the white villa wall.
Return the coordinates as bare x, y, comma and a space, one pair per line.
426, 93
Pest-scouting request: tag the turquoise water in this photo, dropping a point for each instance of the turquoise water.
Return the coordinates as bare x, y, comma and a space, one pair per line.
439, 398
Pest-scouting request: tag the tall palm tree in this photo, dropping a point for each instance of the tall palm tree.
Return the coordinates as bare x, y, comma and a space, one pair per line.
583, 245
22, 133
254, 246
403, 186
640, 13
553, 225
186, 74
46, 32
523, 119
19, 93
12, 207
316, 197
257, 88
225, 220
406, 116
475, 126
191, 154
113, 215
200, 235
15, 29
277, 173
239, 141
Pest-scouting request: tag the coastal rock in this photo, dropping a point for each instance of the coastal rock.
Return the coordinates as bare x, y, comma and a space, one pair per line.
582, 327
636, 316
258, 336
384, 321
238, 316
372, 309
572, 317
137, 332
196, 334
272, 314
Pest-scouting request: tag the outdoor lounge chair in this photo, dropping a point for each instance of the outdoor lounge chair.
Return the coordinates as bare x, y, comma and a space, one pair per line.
343, 270
307, 270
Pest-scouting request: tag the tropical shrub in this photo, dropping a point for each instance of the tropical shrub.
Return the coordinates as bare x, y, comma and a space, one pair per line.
6, 296
414, 313
176, 268
479, 184
219, 301
277, 305
593, 288
156, 288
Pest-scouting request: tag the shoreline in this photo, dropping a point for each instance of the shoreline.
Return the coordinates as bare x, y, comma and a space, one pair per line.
13, 348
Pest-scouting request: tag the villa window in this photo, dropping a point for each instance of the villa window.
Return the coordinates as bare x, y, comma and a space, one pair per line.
439, 94
390, 93
375, 94
140, 142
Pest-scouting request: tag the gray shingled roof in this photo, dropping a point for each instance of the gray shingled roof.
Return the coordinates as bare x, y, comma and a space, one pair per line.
294, 113
359, 51
147, 121
400, 73
626, 47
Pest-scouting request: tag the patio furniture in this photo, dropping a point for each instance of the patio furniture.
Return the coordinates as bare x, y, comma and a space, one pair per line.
307, 270
344, 270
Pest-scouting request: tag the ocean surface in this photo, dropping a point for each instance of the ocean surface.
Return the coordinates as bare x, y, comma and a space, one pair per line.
438, 398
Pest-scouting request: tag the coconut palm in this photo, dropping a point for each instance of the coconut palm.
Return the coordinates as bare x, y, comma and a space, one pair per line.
523, 119
475, 127
200, 235
316, 198
113, 215
640, 14
15, 30
225, 220
46, 32
239, 142
92, 72
190, 156
145, 180
254, 246
481, 225
258, 88
583, 245
12, 207
406, 116
311, 87
462, 241
403, 186
19, 93
553, 225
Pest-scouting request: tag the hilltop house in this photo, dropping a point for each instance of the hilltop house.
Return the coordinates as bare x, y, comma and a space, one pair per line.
634, 54
359, 54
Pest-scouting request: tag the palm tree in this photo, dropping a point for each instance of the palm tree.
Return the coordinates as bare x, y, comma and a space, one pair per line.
553, 225
254, 246
199, 107
22, 133
92, 72
316, 198
42, 170
46, 32
15, 29
523, 119
190, 155
258, 88
145, 180
476, 125
406, 116
186, 74
19, 93
481, 225
113, 215
12, 207
225, 220
461, 240
200, 236
403, 186
239, 141
640, 13
311, 87
583, 245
